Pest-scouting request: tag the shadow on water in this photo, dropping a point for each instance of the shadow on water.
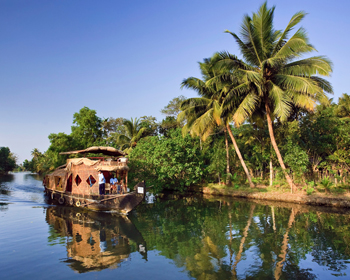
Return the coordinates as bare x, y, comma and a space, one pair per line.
6, 178
94, 240
4, 188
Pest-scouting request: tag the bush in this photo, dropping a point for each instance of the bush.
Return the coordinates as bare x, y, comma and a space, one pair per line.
309, 188
171, 162
326, 184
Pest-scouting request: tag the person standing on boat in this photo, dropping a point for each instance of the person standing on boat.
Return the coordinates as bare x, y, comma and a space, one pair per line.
113, 181
101, 182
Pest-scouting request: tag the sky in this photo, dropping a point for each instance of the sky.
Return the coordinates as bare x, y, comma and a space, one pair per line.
128, 58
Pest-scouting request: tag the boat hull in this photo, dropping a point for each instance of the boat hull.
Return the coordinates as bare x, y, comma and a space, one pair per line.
122, 203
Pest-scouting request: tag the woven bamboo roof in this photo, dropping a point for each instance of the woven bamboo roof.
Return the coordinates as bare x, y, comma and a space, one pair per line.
109, 151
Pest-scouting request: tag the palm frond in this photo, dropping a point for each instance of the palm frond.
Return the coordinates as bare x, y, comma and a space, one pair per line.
323, 84
281, 101
263, 25
304, 101
245, 108
296, 18
297, 83
296, 46
317, 65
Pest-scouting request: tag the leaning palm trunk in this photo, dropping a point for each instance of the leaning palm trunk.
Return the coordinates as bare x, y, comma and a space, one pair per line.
245, 234
274, 145
240, 156
284, 248
228, 177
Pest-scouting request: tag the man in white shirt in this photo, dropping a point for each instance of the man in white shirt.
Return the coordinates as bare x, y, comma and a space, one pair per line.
101, 182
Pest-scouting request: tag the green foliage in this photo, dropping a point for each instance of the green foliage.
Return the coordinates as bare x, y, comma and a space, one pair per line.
87, 128
168, 124
60, 142
112, 127
296, 158
326, 184
343, 109
170, 162
309, 188
7, 160
217, 164
173, 107
150, 124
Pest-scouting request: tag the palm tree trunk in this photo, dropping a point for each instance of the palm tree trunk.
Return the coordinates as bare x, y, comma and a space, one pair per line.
271, 172
273, 218
274, 145
245, 234
228, 177
240, 156
279, 265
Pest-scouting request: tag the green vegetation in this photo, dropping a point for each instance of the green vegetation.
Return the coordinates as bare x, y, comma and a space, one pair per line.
272, 103
7, 160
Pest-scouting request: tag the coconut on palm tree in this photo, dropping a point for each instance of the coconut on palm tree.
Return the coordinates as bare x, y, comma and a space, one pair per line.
274, 76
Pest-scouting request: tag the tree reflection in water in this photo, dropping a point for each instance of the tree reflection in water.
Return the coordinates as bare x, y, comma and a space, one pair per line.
220, 238
210, 238
94, 241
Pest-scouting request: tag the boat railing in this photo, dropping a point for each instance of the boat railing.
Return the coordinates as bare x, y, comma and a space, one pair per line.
113, 163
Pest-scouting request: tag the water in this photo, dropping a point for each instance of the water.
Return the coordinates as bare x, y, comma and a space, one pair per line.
175, 237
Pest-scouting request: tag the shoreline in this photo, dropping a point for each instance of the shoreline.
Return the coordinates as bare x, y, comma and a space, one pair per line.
324, 200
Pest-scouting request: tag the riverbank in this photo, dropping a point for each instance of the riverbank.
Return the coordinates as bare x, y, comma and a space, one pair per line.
317, 199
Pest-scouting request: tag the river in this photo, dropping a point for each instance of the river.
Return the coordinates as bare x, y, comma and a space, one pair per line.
168, 237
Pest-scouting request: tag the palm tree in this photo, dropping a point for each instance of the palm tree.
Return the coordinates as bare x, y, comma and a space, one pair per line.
35, 153
272, 80
343, 109
203, 114
133, 133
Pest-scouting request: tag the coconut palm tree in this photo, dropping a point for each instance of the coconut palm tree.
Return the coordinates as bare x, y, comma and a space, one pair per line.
273, 80
133, 133
35, 153
343, 109
204, 114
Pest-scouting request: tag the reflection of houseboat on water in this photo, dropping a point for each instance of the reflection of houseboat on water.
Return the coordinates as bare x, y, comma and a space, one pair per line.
76, 183
94, 240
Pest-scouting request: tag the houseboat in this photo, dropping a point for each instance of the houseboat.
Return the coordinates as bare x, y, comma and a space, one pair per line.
76, 182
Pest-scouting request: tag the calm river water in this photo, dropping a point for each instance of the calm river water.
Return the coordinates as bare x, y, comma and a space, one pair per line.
170, 238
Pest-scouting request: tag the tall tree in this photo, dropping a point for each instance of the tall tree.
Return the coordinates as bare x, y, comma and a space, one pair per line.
173, 108
272, 78
7, 160
205, 113
87, 128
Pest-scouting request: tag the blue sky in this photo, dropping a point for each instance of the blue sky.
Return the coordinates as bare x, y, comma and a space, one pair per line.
127, 58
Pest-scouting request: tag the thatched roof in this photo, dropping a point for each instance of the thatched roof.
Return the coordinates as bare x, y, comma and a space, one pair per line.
58, 173
109, 151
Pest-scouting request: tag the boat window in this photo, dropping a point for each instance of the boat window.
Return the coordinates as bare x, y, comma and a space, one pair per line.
91, 180
77, 180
